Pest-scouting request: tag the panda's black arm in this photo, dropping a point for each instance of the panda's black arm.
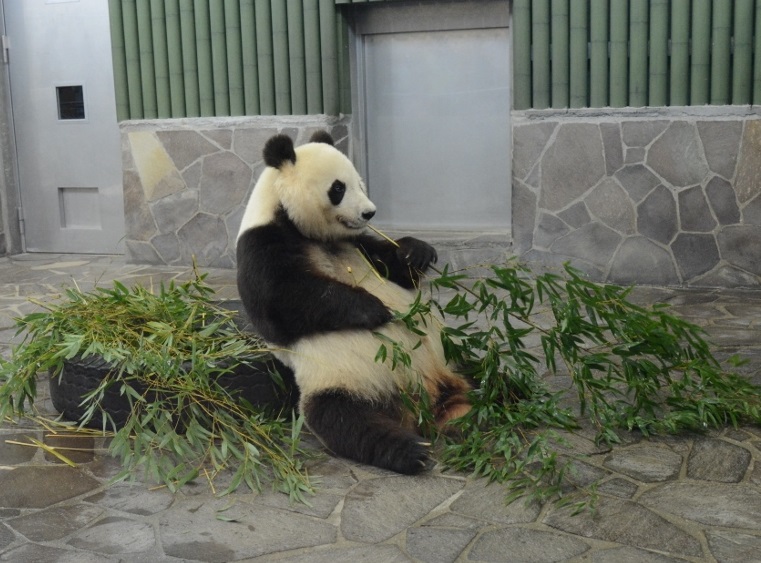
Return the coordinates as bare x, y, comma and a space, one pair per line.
403, 263
287, 300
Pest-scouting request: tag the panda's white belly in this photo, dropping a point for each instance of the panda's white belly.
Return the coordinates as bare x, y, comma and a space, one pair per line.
346, 359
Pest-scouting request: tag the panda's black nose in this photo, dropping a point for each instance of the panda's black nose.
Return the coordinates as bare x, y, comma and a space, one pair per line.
367, 215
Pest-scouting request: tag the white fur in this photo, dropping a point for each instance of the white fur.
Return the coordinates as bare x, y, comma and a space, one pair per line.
344, 359
302, 189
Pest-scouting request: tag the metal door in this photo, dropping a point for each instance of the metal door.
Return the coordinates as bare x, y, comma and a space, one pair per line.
64, 113
437, 118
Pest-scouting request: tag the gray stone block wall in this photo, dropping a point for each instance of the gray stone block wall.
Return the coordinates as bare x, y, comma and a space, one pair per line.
665, 197
186, 182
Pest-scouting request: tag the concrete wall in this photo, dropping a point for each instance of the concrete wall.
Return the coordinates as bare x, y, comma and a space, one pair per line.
186, 182
666, 197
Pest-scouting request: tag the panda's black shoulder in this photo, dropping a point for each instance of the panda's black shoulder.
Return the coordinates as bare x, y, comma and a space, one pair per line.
279, 235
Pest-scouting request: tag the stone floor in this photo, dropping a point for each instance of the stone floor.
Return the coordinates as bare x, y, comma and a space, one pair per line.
689, 498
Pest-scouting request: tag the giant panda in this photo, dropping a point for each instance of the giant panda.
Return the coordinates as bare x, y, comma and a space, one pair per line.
318, 288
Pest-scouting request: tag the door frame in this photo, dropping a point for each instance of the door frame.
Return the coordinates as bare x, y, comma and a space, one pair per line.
10, 189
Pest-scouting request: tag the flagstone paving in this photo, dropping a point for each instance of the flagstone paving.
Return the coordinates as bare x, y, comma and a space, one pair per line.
694, 497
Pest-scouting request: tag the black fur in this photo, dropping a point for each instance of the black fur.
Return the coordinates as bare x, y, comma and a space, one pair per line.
404, 264
279, 149
336, 192
286, 299
321, 137
366, 432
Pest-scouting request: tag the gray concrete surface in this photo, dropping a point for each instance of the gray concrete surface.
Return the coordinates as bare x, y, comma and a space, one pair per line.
688, 498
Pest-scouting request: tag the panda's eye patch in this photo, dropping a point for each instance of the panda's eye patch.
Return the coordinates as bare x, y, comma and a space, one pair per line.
336, 192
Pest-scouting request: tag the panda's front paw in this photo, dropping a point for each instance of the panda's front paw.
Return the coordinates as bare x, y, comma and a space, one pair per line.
416, 253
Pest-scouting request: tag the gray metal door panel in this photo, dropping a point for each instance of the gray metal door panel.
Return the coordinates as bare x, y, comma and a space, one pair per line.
437, 107
67, 136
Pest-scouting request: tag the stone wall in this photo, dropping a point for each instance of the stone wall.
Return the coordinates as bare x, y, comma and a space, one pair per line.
667, 197
186, 182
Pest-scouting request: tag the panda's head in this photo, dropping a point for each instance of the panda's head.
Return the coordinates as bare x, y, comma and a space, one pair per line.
317, 186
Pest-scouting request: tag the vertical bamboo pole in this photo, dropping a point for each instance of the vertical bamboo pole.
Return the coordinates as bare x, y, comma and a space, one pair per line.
203, 51
638, 51
249, 57
219, 58
619, 63
700, 61
598, 54
742, 58
264, 57
147, 69
280, 57
344, 72
659, 55
296, 57
679, 74
119, 55
579, 74
329, 57
721, 32
174, 54
522, 54
234, 57
313, 63
132, 59
160, 59
189, 59
540, 67
560, 53
757, 57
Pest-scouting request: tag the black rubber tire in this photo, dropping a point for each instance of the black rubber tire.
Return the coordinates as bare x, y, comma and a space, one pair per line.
253, 383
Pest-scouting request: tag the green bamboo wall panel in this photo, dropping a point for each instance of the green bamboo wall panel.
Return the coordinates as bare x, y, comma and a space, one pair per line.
617, 53
194, 58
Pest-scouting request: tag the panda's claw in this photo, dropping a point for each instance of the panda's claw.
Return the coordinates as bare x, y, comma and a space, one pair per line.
416, 253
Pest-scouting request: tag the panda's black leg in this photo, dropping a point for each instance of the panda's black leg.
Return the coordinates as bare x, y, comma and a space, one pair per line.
366, 432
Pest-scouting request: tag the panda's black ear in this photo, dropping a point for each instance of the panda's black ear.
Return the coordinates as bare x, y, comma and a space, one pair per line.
278, 150
322, 137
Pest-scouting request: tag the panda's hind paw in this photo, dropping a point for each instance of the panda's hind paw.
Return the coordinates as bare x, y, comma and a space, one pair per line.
415, 458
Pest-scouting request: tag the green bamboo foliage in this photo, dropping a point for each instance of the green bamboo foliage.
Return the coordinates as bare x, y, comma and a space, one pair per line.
192, 58
618, 53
